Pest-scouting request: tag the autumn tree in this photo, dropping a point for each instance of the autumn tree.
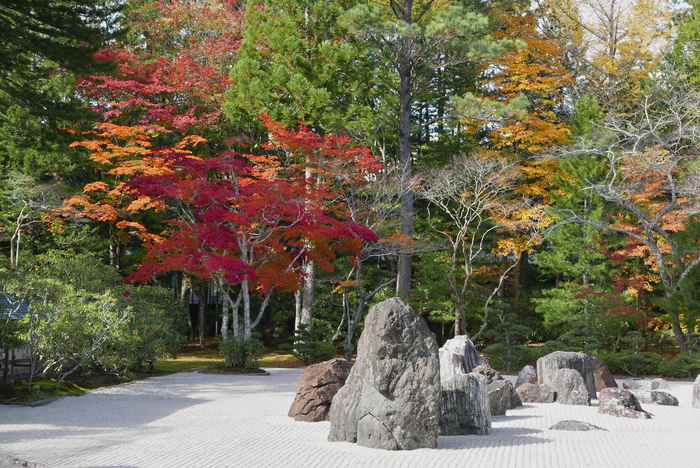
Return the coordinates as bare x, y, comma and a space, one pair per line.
473, 192
650, 176
244, 223
612, 47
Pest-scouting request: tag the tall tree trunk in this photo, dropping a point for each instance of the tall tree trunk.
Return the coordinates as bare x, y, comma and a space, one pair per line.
224, 309
246, 310
307, 307
298, 302
200, 317
403, 280
184, 300
522, 260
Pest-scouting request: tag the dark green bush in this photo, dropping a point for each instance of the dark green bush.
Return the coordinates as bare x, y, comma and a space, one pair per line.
683, 366
241, 353
304, 347
634, 364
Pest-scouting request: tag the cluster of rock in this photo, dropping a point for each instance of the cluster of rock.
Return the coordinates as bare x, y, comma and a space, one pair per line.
403, 392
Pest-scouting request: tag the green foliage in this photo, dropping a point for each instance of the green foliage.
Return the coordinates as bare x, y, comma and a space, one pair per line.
156, 328
586, 115
81, 317
39, 37
241, 353
682, 366
634, 364
304, 347
509, 336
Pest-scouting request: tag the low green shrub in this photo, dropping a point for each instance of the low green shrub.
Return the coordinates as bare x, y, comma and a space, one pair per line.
241, 353
634, 364
683, 366
304, 347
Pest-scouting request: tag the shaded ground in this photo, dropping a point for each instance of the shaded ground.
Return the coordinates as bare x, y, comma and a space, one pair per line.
191, 356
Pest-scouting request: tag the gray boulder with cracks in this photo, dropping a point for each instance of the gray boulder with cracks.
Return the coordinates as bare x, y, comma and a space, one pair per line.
391, 397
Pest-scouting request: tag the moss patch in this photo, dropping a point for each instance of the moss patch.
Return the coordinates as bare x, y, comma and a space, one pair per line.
221, 369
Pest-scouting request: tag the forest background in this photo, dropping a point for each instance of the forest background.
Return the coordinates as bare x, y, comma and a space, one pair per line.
521, 173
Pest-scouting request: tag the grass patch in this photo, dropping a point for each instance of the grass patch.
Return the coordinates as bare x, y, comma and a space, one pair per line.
222, 369
19, 393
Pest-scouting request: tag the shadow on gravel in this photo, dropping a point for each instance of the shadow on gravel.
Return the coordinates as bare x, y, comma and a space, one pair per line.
502, 437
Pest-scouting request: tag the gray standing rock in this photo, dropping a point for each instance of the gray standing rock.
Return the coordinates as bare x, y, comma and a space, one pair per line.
570, 388
316, 387
602, 376
655, 397
696, 392
533, 393
527, 374
464, 406
571, 425
547, 367
391, 397
620, 403
457, 356
499, 396
636, 383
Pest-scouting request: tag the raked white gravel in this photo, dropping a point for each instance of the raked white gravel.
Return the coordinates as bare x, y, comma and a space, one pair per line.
201, 420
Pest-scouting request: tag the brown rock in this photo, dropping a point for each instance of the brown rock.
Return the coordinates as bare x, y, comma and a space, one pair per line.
532, 393
621, 403
601, 374
488, 372
316, 387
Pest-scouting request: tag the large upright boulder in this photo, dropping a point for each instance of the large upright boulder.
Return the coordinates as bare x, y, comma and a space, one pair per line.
547, 367
696, 392
570, 388
392, 395
457, 356
464, 406
316, 388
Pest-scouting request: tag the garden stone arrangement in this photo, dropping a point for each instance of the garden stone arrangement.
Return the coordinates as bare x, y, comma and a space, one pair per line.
549, 365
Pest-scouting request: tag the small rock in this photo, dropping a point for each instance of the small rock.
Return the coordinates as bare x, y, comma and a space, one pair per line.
316, 387
620, 403
488, 372
636, 383
570, 388
602, 376
655, 397
532, 393
527, 374
515, 401
485, 361
499, 396
571, 425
